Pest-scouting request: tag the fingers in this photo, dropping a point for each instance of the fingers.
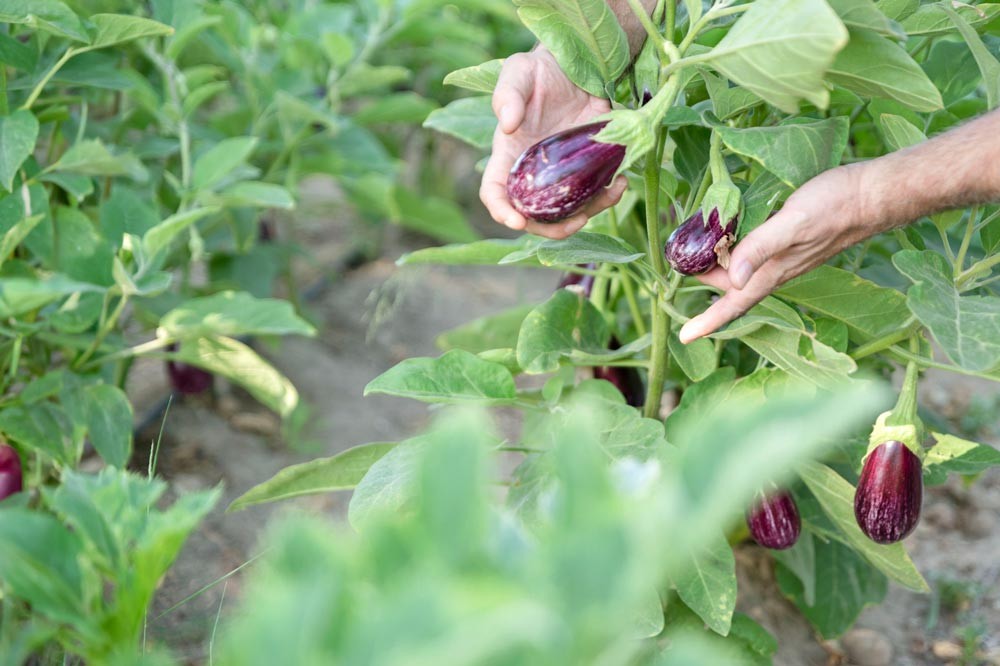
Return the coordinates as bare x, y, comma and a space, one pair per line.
512, 92
493, 189
733, 304
607, 197
767, 240
557, 230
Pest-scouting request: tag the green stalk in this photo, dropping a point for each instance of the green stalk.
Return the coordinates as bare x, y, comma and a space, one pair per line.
661, 320
33, 97
975, 270
966, 239
884, 342
626, 281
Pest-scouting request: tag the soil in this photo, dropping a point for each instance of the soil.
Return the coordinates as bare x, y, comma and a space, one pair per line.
379, 314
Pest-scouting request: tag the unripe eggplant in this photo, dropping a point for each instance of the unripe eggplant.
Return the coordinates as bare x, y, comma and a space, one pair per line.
188, 379
11, 478
557, 176
695, 247
581, 283
626, 380
774, 521
890, 490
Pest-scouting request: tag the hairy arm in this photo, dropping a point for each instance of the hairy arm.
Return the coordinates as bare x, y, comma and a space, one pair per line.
843, 206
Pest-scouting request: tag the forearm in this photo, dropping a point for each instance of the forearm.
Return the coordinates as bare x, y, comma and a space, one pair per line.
630, 22
953, 170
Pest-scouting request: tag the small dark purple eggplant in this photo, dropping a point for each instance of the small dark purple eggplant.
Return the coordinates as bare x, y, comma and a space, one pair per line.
695, 247
557, 176
890, 490
11, 477
626, 380
582, 283
774, 521
188, 379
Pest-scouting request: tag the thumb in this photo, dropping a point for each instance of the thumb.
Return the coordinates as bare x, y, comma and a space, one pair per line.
761, 244
513, 90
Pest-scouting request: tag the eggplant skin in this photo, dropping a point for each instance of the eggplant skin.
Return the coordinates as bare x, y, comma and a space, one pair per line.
559, 175
11, 477
626, 380
774, 521
890, 491
582, 283
695, 247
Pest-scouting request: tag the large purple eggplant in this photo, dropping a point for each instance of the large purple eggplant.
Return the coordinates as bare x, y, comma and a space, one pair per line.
188, 379
774, 521
557, 176
11, 477
626, 380
582, 283
890, 490
695, 247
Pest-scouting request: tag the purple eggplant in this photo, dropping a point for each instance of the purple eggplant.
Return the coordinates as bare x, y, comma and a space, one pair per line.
890, 490
626, 380
11, 478
557, 176
581, 283
774, 521
695, 247
188, 379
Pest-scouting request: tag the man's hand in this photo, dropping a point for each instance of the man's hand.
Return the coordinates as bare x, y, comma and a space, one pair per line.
533, 100
820, 219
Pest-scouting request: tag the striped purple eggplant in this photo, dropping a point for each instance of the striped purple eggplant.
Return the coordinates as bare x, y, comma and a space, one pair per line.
582, 283
11, 477
188, 379
890, 491
774, 521
626, 380
558, 176
695, 247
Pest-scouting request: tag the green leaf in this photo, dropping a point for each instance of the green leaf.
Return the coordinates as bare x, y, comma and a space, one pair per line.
696, 359
931, 20
836, 496
454, 377
988, 64
251, 193
220, 160
479, 78
470, 119
112, 29
959, 456
869, 310
20, 295
953, 70
567, 321
479, 253
81, 252
792, 152
586, 247
897, 10
708, 585
964, 326
823, 366
91, 157
41, 426
233, 314
897, 132
158, 238
50, 16
800, 559
496, 331
864, 15
436, 217
388, 485
728, 101
873, 66
322, 475
13, 236
18, 133
846, 584
109, 423
583, 35
404, 107
17, 55
780, 50
759, 200
241, 365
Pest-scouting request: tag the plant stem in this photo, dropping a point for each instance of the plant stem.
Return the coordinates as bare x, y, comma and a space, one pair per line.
966, 239
976, 269
625, 277
107, 324
661, 322
671, 20
905, 411
946, 243
709, 16
647, 23
883, 343
137, 350
33, 97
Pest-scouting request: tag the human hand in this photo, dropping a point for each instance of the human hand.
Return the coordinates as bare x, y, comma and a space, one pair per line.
820, 219
533, 100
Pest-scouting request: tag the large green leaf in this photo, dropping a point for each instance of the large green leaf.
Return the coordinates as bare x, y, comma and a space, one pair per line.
470, 119
583, 35
873, 66
20, 295
109, 423
953, 70
794, 152
959, 456
219, 161
932, 19
708, 585
836, 496
864, 15
964, 326
567, 321
845, 585
898, 132
158, 238
50, 16
496, 331
586, 247
478, 253
112, 29
18, 133
456, 376
388, 485
988, 63
780, 49
438, 217
322, 475
480, 78
869, 310
90, 157
42, 426
233, 314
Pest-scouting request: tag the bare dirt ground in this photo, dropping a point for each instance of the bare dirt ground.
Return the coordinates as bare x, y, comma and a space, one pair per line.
378, 315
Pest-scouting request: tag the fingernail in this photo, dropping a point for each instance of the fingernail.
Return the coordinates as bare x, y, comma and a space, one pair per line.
741, 274
691, 331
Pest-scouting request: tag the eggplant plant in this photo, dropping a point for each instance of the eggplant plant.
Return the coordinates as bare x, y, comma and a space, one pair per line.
749, 102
